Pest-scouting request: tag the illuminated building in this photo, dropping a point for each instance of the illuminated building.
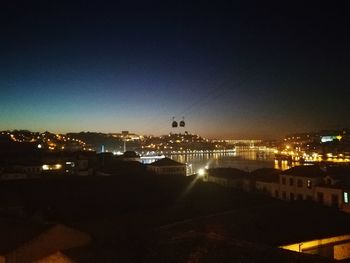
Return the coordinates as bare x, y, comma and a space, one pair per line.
127, 136
330, 138
52, 167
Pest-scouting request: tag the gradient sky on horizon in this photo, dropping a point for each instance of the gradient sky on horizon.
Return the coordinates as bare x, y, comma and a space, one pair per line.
233, 69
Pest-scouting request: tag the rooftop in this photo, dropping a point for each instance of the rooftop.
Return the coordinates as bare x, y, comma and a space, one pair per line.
265, 174
18, 231
305, 171
193, 246
130, 154
167, 162
228, 173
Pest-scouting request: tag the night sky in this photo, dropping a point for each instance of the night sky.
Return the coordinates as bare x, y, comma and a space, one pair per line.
239, 69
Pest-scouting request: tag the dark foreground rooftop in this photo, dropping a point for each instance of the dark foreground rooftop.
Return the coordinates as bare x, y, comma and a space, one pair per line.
144, 218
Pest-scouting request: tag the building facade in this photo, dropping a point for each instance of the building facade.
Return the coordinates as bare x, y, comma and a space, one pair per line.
309, 183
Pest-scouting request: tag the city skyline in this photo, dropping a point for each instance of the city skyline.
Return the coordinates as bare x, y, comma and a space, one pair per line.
233, 70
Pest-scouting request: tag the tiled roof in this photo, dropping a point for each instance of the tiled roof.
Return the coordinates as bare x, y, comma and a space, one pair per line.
265, 174
305, 171
231, 173
167, 162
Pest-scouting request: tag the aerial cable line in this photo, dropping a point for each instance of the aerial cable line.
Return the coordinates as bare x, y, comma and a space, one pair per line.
192, 105
217, 91
213, 94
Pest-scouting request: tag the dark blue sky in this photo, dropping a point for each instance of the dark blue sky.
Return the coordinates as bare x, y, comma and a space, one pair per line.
233, 69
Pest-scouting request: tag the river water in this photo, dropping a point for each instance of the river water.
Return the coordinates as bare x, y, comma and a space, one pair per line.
247, 160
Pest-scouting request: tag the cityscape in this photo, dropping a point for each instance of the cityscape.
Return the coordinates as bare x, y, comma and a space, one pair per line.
174, 132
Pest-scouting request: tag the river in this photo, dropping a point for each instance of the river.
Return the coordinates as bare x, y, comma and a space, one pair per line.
247, 160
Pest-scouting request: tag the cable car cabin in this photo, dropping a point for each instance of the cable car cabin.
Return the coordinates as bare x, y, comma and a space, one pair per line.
174, 124
182, 123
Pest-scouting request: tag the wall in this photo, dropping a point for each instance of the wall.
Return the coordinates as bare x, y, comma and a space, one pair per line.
327, 195
342, 251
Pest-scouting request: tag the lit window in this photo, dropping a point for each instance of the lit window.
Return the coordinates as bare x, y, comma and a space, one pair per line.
346, 197
309, 184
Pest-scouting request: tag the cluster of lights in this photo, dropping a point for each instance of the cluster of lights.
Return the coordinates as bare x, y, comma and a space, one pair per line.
127, 136
199, 152
45, 140
337, 158
176, 142
313, 157
50, 167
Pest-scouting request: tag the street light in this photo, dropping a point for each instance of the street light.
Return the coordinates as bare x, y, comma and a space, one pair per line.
201, 172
